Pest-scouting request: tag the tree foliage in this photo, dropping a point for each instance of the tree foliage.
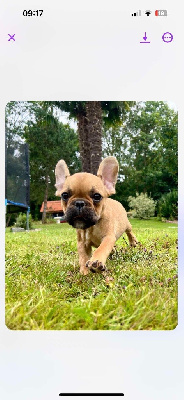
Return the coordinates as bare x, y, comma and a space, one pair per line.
142, 135
49, 140
91, 117
146, 148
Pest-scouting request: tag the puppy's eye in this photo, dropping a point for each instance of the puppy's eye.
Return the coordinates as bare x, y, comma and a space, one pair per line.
64, 196
97, 197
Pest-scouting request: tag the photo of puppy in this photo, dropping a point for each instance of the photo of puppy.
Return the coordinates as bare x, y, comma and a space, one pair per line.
98, 157
99, 220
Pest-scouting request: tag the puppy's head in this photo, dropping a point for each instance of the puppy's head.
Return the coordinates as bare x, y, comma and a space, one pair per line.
83, 194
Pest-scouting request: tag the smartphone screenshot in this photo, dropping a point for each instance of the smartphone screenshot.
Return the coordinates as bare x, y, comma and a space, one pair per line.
91, 276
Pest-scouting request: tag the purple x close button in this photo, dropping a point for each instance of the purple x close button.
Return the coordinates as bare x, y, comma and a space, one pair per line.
11, 37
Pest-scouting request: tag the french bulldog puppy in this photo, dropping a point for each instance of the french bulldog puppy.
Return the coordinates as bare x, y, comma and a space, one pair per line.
99, 220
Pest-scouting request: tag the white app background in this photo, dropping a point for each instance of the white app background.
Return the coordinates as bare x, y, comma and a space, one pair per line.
91, 50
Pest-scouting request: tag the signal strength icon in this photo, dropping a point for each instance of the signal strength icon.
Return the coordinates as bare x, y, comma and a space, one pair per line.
137, 14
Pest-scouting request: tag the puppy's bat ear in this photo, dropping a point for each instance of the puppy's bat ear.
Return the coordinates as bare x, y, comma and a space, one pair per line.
61, 173
108, 172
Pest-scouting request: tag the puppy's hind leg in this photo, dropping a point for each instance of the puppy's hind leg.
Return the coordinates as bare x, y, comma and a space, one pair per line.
131, 237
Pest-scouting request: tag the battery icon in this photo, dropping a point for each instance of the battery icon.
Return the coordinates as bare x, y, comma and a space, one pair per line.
161, 13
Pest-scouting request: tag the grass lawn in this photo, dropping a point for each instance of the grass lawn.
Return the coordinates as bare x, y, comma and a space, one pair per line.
44, 289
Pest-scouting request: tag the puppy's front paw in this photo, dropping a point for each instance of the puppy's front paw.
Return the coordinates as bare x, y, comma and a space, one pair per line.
133, 242
95, 266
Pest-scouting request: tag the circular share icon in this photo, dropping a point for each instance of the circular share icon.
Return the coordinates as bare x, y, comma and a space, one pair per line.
167, 37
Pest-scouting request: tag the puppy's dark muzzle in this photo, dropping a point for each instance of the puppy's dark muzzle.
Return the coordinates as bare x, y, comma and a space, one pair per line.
80, 214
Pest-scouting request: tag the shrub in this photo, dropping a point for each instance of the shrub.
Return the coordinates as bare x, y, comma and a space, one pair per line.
21, 221
50, 220
143, 207
168, 205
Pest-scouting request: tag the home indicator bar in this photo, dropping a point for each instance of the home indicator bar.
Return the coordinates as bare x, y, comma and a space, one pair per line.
91, 394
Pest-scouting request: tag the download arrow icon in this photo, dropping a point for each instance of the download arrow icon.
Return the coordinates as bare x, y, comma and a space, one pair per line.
145, 39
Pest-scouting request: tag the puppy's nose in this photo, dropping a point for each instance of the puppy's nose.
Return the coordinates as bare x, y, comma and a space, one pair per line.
79, 204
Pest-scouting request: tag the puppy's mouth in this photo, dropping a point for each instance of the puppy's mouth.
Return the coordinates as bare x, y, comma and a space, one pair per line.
80, 215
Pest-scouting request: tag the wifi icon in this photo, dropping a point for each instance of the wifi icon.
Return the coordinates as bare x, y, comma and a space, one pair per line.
137, 14
148, 12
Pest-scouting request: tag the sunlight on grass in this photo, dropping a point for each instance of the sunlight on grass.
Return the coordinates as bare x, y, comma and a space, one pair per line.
44, 289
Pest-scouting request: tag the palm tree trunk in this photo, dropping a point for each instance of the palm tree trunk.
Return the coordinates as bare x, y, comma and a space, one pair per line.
83, 142
94, 118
